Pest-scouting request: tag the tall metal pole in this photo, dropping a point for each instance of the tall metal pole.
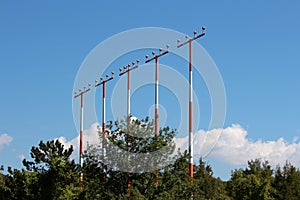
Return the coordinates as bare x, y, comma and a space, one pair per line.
191, 149
81, 95
156, 91
156, 96
103, 83
156, 108
128, 123
80, 137
104, 109
127, 70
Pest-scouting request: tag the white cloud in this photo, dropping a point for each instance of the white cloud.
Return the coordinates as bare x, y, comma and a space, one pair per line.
235, 148
230, 145
90, 136
5, 139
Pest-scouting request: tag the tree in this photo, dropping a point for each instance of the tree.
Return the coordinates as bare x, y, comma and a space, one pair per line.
4, 189
173, 175
287, 181
56, 177
207, 186
127, 151
50, 174
15, 184
255, 182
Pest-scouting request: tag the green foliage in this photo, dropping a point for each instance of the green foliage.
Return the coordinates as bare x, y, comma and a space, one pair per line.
287, 182
173, 175
14, 184
55, 176
255, 182
52, 175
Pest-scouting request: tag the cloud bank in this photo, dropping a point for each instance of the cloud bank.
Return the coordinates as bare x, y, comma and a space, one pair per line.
90, 136
235, 148
5, 139
230, 145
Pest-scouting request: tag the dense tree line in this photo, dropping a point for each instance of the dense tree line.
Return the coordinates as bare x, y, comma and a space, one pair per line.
51, 174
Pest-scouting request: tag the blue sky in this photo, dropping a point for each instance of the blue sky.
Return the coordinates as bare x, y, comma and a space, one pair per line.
255, 45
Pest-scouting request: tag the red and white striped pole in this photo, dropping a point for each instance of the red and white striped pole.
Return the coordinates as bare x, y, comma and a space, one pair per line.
156, 107
156, 97
103, 83
191, 147
81, 95
128, 123
156, 92
104, 112
80, 137
127, 70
